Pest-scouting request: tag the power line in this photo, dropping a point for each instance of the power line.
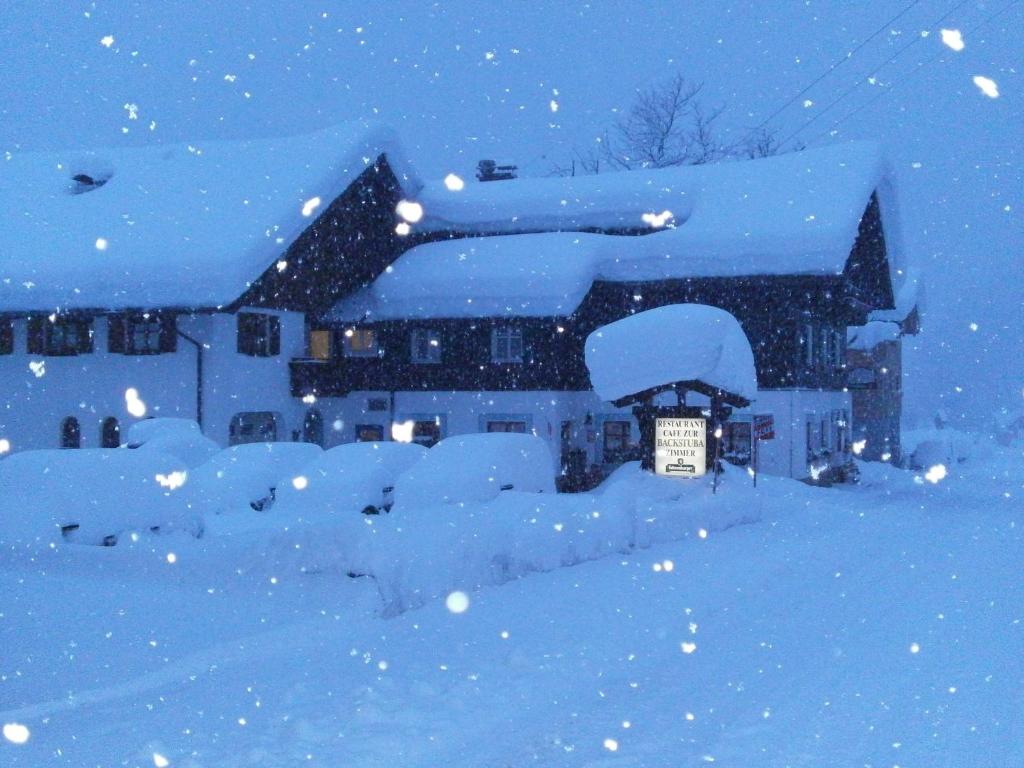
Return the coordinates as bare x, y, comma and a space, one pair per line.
873, 72
918, 68
835, 64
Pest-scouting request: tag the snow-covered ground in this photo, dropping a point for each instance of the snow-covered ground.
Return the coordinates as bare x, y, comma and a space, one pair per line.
879, 625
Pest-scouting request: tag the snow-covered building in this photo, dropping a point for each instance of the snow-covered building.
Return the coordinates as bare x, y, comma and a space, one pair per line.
177, 280
480, 325
875, 372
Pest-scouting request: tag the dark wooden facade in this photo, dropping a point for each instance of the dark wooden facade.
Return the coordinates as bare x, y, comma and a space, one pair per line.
773, 310
344, 249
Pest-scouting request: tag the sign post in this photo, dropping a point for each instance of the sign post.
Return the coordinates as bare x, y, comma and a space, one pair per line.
762, 428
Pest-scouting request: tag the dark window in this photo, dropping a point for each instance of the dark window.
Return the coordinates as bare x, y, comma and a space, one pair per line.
506, 426
253, 427
70, 433
369, 433
59, 336
360, 342
507, 344
110, 433
806, 340
426, 345
426, 432
259, 334
376, 404
616, 439
313, 427
142, 334
736, 442
6, 337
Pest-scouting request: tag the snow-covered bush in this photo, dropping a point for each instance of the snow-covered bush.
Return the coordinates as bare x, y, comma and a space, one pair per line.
927, 448
181, 438
476, 468
245, 475
93, 495
346, 480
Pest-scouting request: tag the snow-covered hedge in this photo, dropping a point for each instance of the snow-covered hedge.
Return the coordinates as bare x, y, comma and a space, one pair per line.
105, 493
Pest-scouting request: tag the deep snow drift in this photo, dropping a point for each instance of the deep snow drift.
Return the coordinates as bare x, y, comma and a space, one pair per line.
875, 625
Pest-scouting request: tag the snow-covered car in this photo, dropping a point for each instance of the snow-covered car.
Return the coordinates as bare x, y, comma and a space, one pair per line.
247, 476
92, 496
354, 477
181, 438
477, 467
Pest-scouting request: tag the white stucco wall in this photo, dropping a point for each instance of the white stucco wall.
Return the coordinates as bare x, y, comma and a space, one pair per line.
91, 387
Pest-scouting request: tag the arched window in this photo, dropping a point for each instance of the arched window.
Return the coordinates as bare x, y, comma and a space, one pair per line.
110, 433
313, 427
70, 433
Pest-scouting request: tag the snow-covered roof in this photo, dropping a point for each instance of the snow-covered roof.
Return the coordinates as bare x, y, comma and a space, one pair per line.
794, 214
517, 275
890, 324
678, 342
183, 225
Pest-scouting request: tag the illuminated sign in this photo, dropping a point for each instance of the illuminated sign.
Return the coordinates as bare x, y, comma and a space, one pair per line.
680, 447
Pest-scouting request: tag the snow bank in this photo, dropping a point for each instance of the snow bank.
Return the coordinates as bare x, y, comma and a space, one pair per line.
241, 475
189, 225
421, 552
180, 438
416, 555
679, 342
475, 468
103, 492
930, 447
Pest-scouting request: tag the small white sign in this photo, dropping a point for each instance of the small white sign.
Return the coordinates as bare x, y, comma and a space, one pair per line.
680, 447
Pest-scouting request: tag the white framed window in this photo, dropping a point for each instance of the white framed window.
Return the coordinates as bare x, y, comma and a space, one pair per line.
360, 342
504, 425
259, 334
425, 345
507, 344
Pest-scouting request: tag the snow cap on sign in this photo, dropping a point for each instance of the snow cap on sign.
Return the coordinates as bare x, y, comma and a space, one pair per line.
678, 342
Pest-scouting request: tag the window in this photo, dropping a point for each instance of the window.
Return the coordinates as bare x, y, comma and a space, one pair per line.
376, 404
59, 336
506, 426
736, 442
507, 344
360, 342
839, 349
143, 334
616, 439
369, 433
320, 345
253, 427
259, 334
110, 433
426, 346
6, 337
70, 433
313, 427
426, 433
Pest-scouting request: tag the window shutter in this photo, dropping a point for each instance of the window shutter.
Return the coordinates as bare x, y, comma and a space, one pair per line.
275, 335
115, 333
168, 333
36, 336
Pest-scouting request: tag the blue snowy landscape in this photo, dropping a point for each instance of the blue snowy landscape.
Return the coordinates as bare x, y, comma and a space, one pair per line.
537, 384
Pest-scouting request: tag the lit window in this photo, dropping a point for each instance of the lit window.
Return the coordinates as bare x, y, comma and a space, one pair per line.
320, 345
360, 342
